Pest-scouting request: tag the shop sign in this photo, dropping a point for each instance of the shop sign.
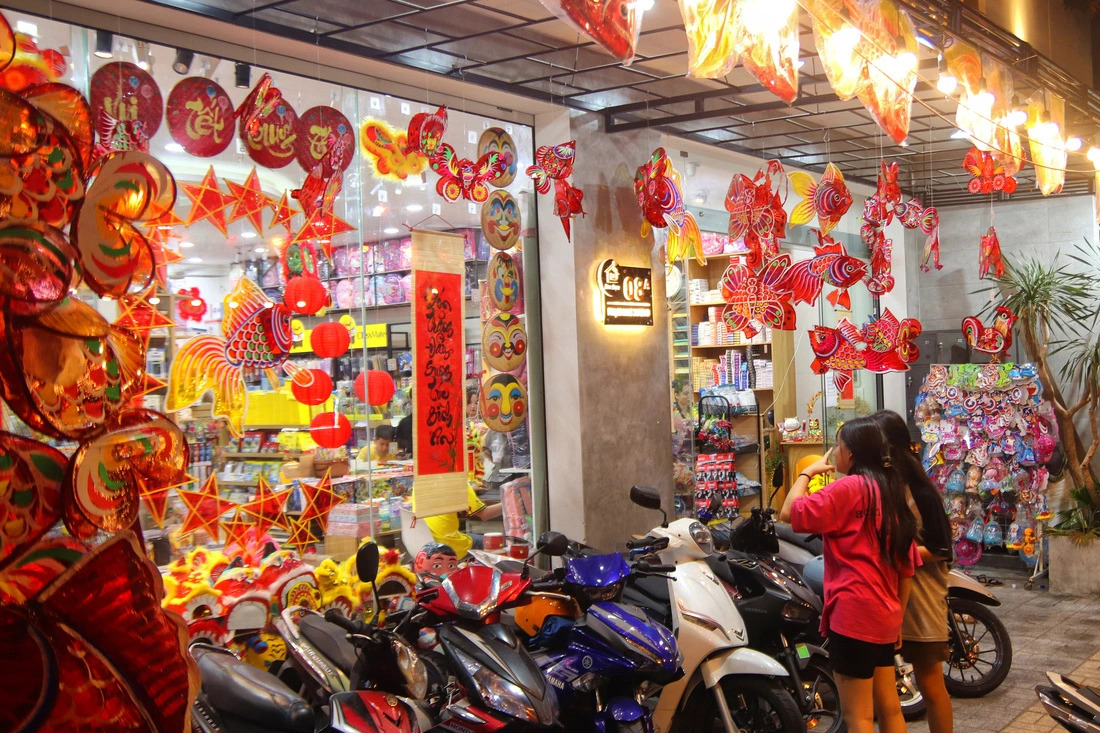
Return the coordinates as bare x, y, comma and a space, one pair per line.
626, 294
319, 127
200, 116
376, 335
273, 142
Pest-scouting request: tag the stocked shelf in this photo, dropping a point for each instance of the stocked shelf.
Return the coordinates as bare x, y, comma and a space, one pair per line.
262, 456
730, 346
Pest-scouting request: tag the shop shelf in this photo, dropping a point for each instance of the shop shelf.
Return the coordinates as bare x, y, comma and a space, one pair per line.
271, 456
729, 346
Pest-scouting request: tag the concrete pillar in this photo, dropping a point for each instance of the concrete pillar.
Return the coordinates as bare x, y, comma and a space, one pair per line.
608, 423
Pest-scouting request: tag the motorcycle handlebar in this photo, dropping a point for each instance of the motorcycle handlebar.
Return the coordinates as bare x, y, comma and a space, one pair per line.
647, 568
654, 543
347, 624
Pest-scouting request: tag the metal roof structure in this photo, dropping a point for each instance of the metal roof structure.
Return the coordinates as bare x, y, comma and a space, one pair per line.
520, 47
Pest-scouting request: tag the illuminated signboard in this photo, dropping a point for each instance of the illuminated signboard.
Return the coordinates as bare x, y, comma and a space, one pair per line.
627, 294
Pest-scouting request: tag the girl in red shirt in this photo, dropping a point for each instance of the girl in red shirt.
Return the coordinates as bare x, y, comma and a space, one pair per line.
870, 556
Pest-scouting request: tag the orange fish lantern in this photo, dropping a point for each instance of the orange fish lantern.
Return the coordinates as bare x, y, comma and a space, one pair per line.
756, 212
828, 199
830, 265
661, 199
763, 297
883, 345
613, 24
255, 334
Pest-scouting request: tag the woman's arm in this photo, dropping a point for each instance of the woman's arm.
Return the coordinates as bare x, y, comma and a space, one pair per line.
802, 483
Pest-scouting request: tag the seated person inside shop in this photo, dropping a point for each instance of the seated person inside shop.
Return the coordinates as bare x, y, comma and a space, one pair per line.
381, 446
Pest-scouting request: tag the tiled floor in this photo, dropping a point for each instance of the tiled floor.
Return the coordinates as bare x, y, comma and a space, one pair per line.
1048, 631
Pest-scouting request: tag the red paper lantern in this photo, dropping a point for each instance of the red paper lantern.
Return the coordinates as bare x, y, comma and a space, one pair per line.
330, 430
375, 387
315, 387
330, 340
305, 294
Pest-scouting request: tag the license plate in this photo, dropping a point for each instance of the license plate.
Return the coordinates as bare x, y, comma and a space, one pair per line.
803, 651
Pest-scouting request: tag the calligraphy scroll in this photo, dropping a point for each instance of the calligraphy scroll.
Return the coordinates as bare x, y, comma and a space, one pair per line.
439, 348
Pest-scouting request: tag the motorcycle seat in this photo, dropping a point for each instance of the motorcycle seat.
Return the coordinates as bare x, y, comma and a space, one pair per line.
330, 640
251, 694
786, 532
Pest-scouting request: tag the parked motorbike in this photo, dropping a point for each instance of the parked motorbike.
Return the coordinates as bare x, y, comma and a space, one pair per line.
725, 683
1074, 706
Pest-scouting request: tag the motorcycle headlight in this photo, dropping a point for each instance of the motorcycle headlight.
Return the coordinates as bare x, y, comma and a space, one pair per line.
416, 674
702, 537
499, 693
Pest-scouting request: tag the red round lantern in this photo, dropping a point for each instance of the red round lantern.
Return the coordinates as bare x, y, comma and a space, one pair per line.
311, 387
330, 430
330, 340
375, 387
305, 294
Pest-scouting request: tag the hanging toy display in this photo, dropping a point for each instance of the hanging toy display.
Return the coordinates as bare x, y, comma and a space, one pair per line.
426, 130
995, 339
249, 201
191, 306
127, 107
661, 199
830, 265
828, 199
883, 345
390, 151
554, 163
299, 259
879, 211
990, 262
464, 178
988, 173
988, 421
758, 297
497, 140
756, 212
613, 24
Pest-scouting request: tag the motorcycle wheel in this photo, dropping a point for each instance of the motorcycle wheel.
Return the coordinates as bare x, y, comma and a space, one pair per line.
827, 716
913, 706
981, 662
758, 705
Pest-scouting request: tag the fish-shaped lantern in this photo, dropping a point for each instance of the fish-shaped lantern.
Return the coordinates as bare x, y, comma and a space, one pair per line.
883, 345
661, 199
555, 163
256, 334
613, 24
828, 199
757, 216
830, 265
764, 297
990, 261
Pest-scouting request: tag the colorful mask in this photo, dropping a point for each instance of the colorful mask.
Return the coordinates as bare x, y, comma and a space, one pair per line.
503, 403
463, 178
389, 151
830, 265
661, 199
497, 140
500, 220
435, 561
996, 339
504, 342
503, 281
613, 24
763, 297
256, 334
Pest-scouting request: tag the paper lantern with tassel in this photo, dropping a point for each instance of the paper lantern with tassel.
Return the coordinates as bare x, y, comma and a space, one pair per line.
375, 387
311, 386
330, 340
305, 294
330, 430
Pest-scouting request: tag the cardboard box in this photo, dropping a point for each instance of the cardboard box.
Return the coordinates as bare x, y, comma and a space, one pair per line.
340, 548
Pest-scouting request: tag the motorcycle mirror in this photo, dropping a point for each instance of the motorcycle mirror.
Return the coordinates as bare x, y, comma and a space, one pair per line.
649, 498
366, 562
554, 544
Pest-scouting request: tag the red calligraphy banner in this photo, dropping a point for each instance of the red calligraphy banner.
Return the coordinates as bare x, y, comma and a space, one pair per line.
439, 351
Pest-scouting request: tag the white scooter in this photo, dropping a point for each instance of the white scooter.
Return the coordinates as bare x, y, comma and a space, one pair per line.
723, 679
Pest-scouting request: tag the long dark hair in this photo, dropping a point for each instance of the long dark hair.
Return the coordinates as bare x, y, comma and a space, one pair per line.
872, 459
902, 457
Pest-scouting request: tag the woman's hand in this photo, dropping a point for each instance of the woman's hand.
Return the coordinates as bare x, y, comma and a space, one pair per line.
821, 465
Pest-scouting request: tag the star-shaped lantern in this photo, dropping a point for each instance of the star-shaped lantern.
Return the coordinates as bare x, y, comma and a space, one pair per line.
301, 535
266, 508
236, 529
204, 508
249, 201
319, 501
136, 313
321, 226
207, 201
156, 497
284, 212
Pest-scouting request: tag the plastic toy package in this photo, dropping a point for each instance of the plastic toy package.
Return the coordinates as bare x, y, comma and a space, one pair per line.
987, 434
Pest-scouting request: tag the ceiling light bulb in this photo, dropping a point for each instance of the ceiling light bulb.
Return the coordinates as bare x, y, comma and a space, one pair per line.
640, 6
195, 302
1016, 117
947, 84
153, 301
1074, 144
25, 26
173, 147
260, 250
378, 211
960, 135
1094, 155
248, 235
907, 61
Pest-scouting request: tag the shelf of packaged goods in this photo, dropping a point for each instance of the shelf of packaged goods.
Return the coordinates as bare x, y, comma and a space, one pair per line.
370, 308
708, 303
275, 427
702, 347
261, 456
236, 482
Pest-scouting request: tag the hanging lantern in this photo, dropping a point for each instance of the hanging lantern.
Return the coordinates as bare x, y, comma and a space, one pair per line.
330, 430
330, 340
375, 387
305, 294
311, 386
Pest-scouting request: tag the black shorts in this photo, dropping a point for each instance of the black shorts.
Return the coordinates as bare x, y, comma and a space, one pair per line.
855, 658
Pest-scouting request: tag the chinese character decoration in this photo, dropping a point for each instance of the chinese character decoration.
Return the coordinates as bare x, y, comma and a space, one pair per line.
995, 339
255, 334
988, 173
990, 262
126, 105
324, 136
756, 212
554, 163
762, 34
883, 345
661, 199
763, 297
830, 265
464, 178
869, 50
828, 199
613, 24
1048, 146
390, 152
191, 306
200, 116
267, 125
